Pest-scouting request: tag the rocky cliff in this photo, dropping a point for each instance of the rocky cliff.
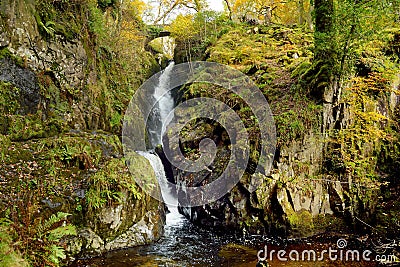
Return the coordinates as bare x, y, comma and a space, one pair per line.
320, 180
67, 71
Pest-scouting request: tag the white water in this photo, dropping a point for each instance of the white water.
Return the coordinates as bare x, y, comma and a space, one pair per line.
156, 126
158, 168
165, 104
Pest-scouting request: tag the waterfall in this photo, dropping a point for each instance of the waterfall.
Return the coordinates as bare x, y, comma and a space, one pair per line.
165, 104
156, 125
158, 168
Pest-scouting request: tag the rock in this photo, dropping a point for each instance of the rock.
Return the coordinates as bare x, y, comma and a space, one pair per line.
288, 202
144, 232
25, 80
136, 219
87, 242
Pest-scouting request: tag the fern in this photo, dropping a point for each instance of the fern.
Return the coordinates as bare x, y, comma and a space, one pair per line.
9, 255
56, 253
60, 232
51, 234
45, 228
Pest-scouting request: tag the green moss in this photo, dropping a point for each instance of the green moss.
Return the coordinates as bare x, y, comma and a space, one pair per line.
9, 98
5, 53
328, 222
8, 255
157, 46
110, 184
62, 18
4, 145
301, 222
267, 57
20, 128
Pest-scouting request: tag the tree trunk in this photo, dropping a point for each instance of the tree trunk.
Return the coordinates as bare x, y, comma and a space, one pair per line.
323, 15
324, 52
300, 8
229, 8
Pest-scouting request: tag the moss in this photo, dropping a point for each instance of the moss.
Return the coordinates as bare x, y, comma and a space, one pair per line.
9, 98
8, 255
61, 18
301, 223
110, 184
5, 53
267, 57
20, 128
157, 45
331, 223
4, 145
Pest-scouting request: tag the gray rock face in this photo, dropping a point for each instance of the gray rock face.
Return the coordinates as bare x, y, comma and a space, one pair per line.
67, 59
136, 219
55, 81
145, 231
25, 80
295, 200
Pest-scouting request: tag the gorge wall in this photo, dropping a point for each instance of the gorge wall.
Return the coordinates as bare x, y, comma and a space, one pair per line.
319, 182
67, 71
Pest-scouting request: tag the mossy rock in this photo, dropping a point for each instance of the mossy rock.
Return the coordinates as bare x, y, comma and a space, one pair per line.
22, 128
9, 98
301, 222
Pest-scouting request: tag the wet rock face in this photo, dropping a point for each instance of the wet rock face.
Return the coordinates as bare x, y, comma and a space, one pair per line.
55, 64
25, 80
294, 200
53, 117
95, 170
134, 219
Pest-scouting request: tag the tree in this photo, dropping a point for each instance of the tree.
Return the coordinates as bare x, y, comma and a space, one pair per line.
325, 51
164, 8
342, 28
229, 7
183, 28
270, 11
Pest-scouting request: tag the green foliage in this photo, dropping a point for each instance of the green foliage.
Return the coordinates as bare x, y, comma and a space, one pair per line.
110, 184
8, 255
96, 20
9, 98
5, 53
294, 123
343, 32
50, 232
47, 28
59, 17
19, 127
366, 134
195, 33
4, 145
268, 57
106, 3
39, 241
153, 31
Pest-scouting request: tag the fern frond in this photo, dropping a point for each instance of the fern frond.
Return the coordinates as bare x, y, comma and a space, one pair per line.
43, 228
56, 253
59, 232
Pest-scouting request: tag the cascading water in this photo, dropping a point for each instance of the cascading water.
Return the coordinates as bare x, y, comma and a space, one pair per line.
165, 104
158, 167
183, 244
157, 124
